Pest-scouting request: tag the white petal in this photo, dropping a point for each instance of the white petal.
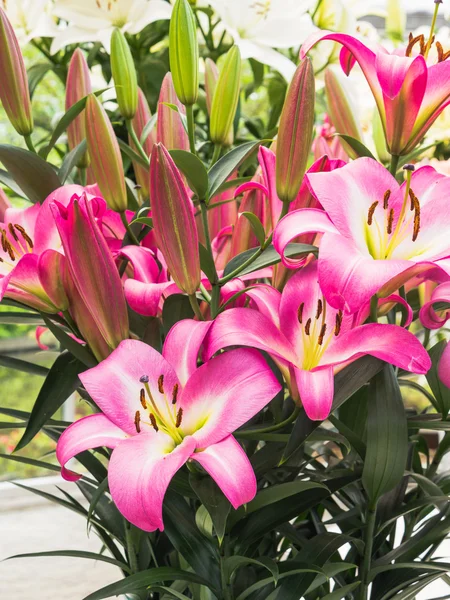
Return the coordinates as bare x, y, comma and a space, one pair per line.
73, 35
156, 10
267, 56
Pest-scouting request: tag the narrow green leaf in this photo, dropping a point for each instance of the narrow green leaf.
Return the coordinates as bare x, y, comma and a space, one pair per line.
307, 568
235, 562
176, 307
281, 491
183, 117
342, 592
79, 351
267, 258
20, 318
74, 554
148, 128
36, 73
357, 146
440, 391
194, 171
96, 498
256, 225
223, 168
233, 183
132, 155
23, 365
31, 461
207, 263
71, 160
214, 501
7, 180
148, 221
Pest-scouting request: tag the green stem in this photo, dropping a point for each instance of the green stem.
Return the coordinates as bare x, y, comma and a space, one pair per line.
374, 309
433, 25
82, 175
206, 295
215, 301
29, 143
137, 144
371, 515
394, 164
191, 127
226, 592
195, 307
271, 428
129, 230
131, 551
216, 154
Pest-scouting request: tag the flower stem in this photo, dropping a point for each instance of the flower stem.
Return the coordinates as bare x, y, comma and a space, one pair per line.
374, 309
137, 144
195, 307
131, 551
29, 143
216, 154
394, 164
191, 127
371, 515
83, 176
271, 428
129, 230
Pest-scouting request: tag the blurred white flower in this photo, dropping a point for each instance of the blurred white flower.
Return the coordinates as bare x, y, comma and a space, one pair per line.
259, 26
95, 20
30, 19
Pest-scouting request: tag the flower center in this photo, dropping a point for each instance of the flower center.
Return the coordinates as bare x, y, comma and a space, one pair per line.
420, 40
116, 12
262, 8
317, 333
15, 243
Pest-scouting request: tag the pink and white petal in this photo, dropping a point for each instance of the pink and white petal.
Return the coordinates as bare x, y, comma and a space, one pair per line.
251, 185
231, 469
144, 298
428, 316
225, 393
94, 431
24, 283
247, 327
145, 267
444, 366
390, 343
115, 384
182, 346
305, 220
267, 300
388, 302
267, 163
316, 390
140, 471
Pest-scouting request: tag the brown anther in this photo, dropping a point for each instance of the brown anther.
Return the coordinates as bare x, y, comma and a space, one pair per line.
12, 232
137, 421
416, 228
371, 211
319, 308
175, 393
390, 221
387, 195
1, 260
179, 417
153, 422
142, 399
4, 241
307, 326
10, 251
441, 54
25, 235
412, 197
300, 312
161, 384
322, 334
337, 329
412, 41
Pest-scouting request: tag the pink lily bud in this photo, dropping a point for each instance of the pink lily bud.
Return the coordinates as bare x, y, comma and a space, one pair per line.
174, 221
51, 267
171, 132
14, 92
295, 132
104, 152
78, 86
92, 268
140, 120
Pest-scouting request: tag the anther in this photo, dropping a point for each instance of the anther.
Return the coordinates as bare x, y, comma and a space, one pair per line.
412, 41
319, 308
300, 312
441, 54
387, 195
10, 251
4, 241
307, 326
413, 198
175, 393
142, 399
161, 384
179, 417
322, 334
137, 421
153, 422
390, 221
416, 224
144, 379
337, 329
25, 235
409, 167
371, 211
12, 232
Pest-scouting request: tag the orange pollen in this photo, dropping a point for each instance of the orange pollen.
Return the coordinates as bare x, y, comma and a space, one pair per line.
175, 393
142, 399
137, 421
390, 221
371, 212
307, 326
319, 308
322, 334
387, 195
300, 312
179, 417
337, 329
153, 422
161, 384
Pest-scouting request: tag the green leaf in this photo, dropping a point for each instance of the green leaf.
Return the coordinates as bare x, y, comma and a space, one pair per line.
387, 436
214, 501
357, 146
224, 167
35, 177
342, 592
307, 568
71, 160
176, 307
23, 365
194, 171
31, 461
256, 225
61, 382
74, 554
281, 491
234, 183
148, 128
173, 593
207, 264
20, 318
96, 497
203, 521
148, 221
132, 155
427, 567
233, 563
7, 180
82, 353
36, 74
440, 391
183, 117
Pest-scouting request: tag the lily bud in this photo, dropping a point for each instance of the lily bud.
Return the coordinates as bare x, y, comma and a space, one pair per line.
340, 107
183, 52
379, 138
140, 120
78, 86
14, 92
51, 268
124, 75
395, 20
211, 77
296, 132
226, 98
104, 152
173, 220
171, 132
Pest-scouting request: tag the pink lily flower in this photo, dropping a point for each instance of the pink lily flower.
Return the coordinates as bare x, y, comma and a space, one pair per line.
310, 340
377, 234
170, 130
431, 318
160, 411
409, 91
325, 143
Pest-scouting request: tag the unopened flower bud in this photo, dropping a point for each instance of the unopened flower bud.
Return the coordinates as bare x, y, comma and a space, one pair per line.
78, 86
226, 98
141, 118
395, 20
183, 52
296, 132
124, 75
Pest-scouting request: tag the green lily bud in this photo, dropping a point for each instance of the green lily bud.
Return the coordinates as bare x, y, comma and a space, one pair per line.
183, 52
295, 132
124, 75
226, 98
104, 151
395, 20
379, 138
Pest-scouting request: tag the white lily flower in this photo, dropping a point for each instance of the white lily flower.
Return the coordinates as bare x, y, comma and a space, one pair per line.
95, 20
30, 19
259, 26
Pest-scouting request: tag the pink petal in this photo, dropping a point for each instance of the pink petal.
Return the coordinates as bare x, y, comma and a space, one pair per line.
90, 432
225, 393
23, 284
444, 366
316, 389
229, 466
140, 471
146, 269
428, 317
267, 162
144, 298
267, 300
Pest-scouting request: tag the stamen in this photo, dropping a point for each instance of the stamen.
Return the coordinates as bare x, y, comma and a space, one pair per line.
371, 211
337, 329
322, 334
441, 54
307, 326
179, 417
412, 41
10, 251
390, 221
175, 393
319, 308
4, 241
416, 225
300, 312
137, 421
153, 422
144, 379
12, 232
142, 399
387, 195
161, 384
413, 199
25, 235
